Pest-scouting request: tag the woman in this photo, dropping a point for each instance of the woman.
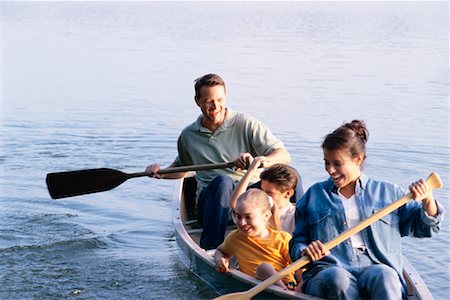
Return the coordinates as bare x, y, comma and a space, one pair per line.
369, 264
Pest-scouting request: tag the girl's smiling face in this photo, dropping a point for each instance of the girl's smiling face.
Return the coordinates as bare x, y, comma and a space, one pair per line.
343, 169
251, 220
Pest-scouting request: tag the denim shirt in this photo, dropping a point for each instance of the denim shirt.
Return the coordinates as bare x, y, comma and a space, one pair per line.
320, 216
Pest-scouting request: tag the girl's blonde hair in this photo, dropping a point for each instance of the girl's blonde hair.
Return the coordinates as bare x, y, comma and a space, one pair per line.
260, 199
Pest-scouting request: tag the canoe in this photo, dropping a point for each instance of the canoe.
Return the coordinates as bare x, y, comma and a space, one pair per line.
200, 263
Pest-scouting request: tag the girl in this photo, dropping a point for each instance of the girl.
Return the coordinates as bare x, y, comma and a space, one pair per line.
369, 264
260, 248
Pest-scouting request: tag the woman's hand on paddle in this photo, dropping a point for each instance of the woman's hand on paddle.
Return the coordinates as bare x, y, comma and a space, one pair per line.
316, 250
420, 192
153, 171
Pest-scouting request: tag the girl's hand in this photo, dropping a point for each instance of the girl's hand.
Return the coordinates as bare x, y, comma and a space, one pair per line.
222, 264
421, 191
316, 250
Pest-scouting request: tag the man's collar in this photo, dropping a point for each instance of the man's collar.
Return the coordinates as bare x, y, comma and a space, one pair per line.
230, 119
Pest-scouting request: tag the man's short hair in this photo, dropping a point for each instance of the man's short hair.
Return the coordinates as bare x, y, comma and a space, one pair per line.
207, 80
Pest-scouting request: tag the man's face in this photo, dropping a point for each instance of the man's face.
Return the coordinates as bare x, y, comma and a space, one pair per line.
212, 102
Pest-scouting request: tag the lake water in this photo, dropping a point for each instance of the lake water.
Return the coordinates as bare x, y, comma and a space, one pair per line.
110, 84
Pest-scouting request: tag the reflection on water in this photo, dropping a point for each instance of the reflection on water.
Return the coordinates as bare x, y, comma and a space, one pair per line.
110, 84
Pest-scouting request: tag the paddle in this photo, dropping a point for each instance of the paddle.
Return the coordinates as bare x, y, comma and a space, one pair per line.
75, 183
433, 182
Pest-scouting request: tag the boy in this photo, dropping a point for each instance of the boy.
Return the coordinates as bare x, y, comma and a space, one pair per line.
279, 182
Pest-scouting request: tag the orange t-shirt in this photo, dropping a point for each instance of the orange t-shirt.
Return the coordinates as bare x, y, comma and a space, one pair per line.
251, 252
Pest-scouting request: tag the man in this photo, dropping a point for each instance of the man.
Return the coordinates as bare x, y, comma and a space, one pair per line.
220, 135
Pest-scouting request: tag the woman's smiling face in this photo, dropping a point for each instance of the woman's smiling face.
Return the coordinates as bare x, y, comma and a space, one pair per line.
343, 169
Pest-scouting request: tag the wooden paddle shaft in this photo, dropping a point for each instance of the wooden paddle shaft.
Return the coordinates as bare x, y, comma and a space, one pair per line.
197, 168
433, 182
186, 169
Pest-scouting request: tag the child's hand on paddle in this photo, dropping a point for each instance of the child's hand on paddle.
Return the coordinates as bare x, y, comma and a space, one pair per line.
258, 162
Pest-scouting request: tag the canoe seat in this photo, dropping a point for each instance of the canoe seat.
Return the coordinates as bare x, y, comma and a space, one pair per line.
195, 231
193, 223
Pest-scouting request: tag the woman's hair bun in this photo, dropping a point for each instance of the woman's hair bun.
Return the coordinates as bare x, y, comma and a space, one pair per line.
360, 129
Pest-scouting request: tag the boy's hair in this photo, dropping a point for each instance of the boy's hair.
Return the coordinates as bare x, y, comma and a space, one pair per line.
282, 176
208, 80
259, 199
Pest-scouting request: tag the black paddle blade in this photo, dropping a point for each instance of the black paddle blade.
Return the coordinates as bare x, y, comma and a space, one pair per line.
75, 183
